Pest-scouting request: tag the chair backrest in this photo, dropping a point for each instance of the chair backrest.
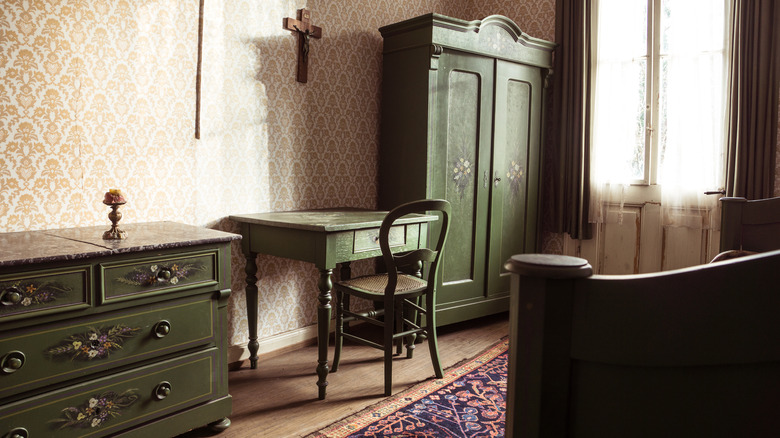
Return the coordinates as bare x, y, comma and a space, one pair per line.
430, 254
750, 225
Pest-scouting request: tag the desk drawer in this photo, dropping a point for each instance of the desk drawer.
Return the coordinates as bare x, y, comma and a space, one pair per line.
42, 292
34, 357
368, 239
151, 276
116, 402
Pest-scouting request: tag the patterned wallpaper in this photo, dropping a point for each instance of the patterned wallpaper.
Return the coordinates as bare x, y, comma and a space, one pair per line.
99, 94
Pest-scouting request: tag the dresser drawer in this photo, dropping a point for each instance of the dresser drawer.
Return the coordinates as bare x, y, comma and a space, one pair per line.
42, 292
116, 402
150, 276
34, 357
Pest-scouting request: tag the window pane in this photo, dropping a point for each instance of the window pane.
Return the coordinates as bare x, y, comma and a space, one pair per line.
692, 26
691, 98
622, 27
621, 84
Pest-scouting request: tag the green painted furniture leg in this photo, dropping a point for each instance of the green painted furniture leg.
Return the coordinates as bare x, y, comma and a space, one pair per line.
251, 306
219, 426
325, 285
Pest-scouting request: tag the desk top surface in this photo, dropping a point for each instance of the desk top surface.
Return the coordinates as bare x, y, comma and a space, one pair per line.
327, 220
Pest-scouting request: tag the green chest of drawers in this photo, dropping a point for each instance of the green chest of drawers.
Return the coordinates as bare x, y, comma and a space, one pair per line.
102, 338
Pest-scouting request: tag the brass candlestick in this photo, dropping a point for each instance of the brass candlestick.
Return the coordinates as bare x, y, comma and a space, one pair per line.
115, 233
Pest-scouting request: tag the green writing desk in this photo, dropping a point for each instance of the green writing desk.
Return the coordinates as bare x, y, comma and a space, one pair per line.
325, 238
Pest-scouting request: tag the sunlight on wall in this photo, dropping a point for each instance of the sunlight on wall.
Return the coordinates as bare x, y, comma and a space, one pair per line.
233, 150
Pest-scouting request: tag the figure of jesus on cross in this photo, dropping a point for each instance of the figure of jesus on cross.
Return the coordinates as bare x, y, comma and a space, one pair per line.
305, 31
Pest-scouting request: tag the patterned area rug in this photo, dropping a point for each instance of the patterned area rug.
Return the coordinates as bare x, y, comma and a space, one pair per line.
468, 402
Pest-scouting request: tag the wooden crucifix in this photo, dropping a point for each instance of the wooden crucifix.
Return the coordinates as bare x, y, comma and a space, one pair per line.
305, 31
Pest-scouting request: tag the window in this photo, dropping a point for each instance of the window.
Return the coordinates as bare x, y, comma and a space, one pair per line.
660, 88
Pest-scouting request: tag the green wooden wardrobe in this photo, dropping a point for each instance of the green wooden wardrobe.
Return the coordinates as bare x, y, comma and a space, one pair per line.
462, 107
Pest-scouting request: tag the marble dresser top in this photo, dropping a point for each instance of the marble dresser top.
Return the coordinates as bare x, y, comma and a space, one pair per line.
44, 246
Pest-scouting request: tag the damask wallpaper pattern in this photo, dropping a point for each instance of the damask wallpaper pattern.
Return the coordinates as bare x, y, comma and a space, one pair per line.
99, 94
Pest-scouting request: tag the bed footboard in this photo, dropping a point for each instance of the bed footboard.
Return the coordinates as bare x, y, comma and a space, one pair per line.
691, 352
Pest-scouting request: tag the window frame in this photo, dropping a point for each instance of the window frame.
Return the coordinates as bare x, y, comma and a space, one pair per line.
654, 66
653, 92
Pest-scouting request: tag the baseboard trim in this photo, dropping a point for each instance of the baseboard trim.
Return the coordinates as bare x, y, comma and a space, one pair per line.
268, 345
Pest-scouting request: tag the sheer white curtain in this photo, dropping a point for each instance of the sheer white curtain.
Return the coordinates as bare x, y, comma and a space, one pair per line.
669, 148
619, 103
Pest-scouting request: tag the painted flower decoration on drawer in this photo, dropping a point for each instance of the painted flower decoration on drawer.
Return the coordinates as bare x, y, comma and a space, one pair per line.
462, 174
31, 293
158, 274
95, 343
97, 410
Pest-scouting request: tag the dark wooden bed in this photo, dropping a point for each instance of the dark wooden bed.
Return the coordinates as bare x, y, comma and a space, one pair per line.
692, 352
750, 225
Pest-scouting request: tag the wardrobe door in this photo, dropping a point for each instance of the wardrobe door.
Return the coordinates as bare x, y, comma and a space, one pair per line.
516, 167
462, 125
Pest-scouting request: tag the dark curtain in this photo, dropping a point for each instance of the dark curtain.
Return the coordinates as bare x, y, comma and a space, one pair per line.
752, 129
569, 133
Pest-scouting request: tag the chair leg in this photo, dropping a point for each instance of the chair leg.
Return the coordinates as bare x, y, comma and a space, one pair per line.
345, 325
339, 340
388, 344
430, 328
399, 324
412, 339
345, 274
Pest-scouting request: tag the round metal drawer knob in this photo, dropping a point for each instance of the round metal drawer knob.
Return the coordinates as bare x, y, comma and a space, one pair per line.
18, 432
162, 328
162, 390
164, 275
12, 362
10, 296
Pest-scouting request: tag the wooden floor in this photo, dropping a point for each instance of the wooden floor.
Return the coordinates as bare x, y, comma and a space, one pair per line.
279, 398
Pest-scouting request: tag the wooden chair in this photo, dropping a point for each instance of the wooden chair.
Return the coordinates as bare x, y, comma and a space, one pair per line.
398, 293
750, 225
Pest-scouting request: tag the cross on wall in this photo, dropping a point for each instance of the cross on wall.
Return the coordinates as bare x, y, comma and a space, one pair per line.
302, 25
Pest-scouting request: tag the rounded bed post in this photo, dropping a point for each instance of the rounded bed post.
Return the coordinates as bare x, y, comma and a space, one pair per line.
731, 223
540, 315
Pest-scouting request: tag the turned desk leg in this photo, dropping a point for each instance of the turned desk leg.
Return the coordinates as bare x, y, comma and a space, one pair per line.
251, 307
325, 284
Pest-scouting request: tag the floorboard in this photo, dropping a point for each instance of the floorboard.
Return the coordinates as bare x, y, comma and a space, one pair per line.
279, 398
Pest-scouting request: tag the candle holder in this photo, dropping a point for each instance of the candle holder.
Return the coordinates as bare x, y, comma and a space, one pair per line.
115, 215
